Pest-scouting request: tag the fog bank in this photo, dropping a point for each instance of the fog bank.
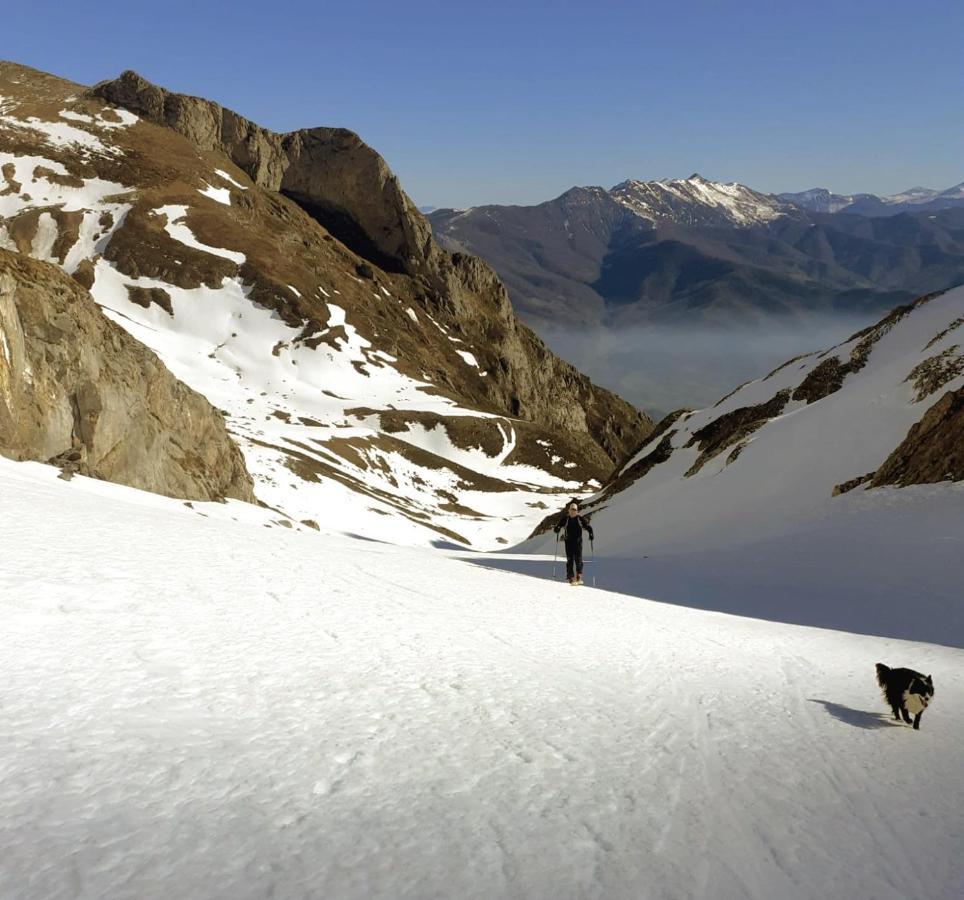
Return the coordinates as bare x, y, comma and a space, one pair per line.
660, 368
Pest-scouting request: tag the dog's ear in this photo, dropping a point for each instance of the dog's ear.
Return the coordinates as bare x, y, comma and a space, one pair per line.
929, 679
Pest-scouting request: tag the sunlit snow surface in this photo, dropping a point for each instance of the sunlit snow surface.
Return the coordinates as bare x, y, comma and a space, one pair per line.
222, 174
251, 364
219, 195
200, 707
61, 133
177, 228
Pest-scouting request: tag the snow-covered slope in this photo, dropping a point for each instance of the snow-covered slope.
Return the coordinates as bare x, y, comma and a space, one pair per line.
339, 380
782, 495
697, 201
188, 714
912, 196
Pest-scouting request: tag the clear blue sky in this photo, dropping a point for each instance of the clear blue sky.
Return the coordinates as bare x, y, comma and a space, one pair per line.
513, 102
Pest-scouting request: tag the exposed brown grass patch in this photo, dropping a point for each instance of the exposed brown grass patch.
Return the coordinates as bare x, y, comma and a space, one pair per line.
933, 373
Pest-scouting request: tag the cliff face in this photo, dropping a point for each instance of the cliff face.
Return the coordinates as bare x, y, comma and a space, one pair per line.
330, 172
78, 391
349, 189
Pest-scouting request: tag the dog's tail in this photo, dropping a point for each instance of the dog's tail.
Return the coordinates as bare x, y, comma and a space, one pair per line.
882, 673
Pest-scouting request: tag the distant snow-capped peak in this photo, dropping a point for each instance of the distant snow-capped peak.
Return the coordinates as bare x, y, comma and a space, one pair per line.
698, 201
953, 193
819, 200
913, 195
825, 201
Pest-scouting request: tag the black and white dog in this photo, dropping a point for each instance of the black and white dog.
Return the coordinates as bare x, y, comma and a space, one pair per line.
907, 692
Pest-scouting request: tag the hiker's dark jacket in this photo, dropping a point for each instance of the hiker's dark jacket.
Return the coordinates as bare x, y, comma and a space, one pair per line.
573, 527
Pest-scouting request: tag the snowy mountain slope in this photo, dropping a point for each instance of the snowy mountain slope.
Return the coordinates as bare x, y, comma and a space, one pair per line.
338, 377
913, 195
818, 200
699, 201
192, 716
783, 463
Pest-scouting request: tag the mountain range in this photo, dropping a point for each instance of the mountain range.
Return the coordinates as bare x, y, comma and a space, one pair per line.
697, 252
917, 199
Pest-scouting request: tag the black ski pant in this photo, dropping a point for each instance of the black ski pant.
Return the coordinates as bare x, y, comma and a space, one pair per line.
573, 558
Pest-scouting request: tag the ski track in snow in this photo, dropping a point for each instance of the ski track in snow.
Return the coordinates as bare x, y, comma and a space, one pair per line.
196, 706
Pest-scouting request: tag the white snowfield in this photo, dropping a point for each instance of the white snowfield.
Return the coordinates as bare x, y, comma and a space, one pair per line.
195, 706
177, 228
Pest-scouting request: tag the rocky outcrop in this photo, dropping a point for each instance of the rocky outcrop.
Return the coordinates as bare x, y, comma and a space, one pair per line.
823, 380
733, 427
933, 449
78, 391
933, 373
531, 382
330, 172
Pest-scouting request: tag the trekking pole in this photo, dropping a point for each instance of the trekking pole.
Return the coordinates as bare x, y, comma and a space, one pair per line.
555, 555
592, 559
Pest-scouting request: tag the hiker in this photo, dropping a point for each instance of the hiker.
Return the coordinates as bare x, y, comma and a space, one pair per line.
574, 524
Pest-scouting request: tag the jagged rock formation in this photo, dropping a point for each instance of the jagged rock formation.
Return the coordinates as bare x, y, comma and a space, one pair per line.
78, 391
330, 172
733, 427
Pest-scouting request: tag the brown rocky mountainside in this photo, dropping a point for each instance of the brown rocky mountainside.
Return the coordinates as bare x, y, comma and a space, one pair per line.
349, 189
290, 280
77, 390
933, 449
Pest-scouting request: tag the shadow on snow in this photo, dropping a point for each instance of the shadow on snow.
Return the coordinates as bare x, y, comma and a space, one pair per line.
859, 718
794, 590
